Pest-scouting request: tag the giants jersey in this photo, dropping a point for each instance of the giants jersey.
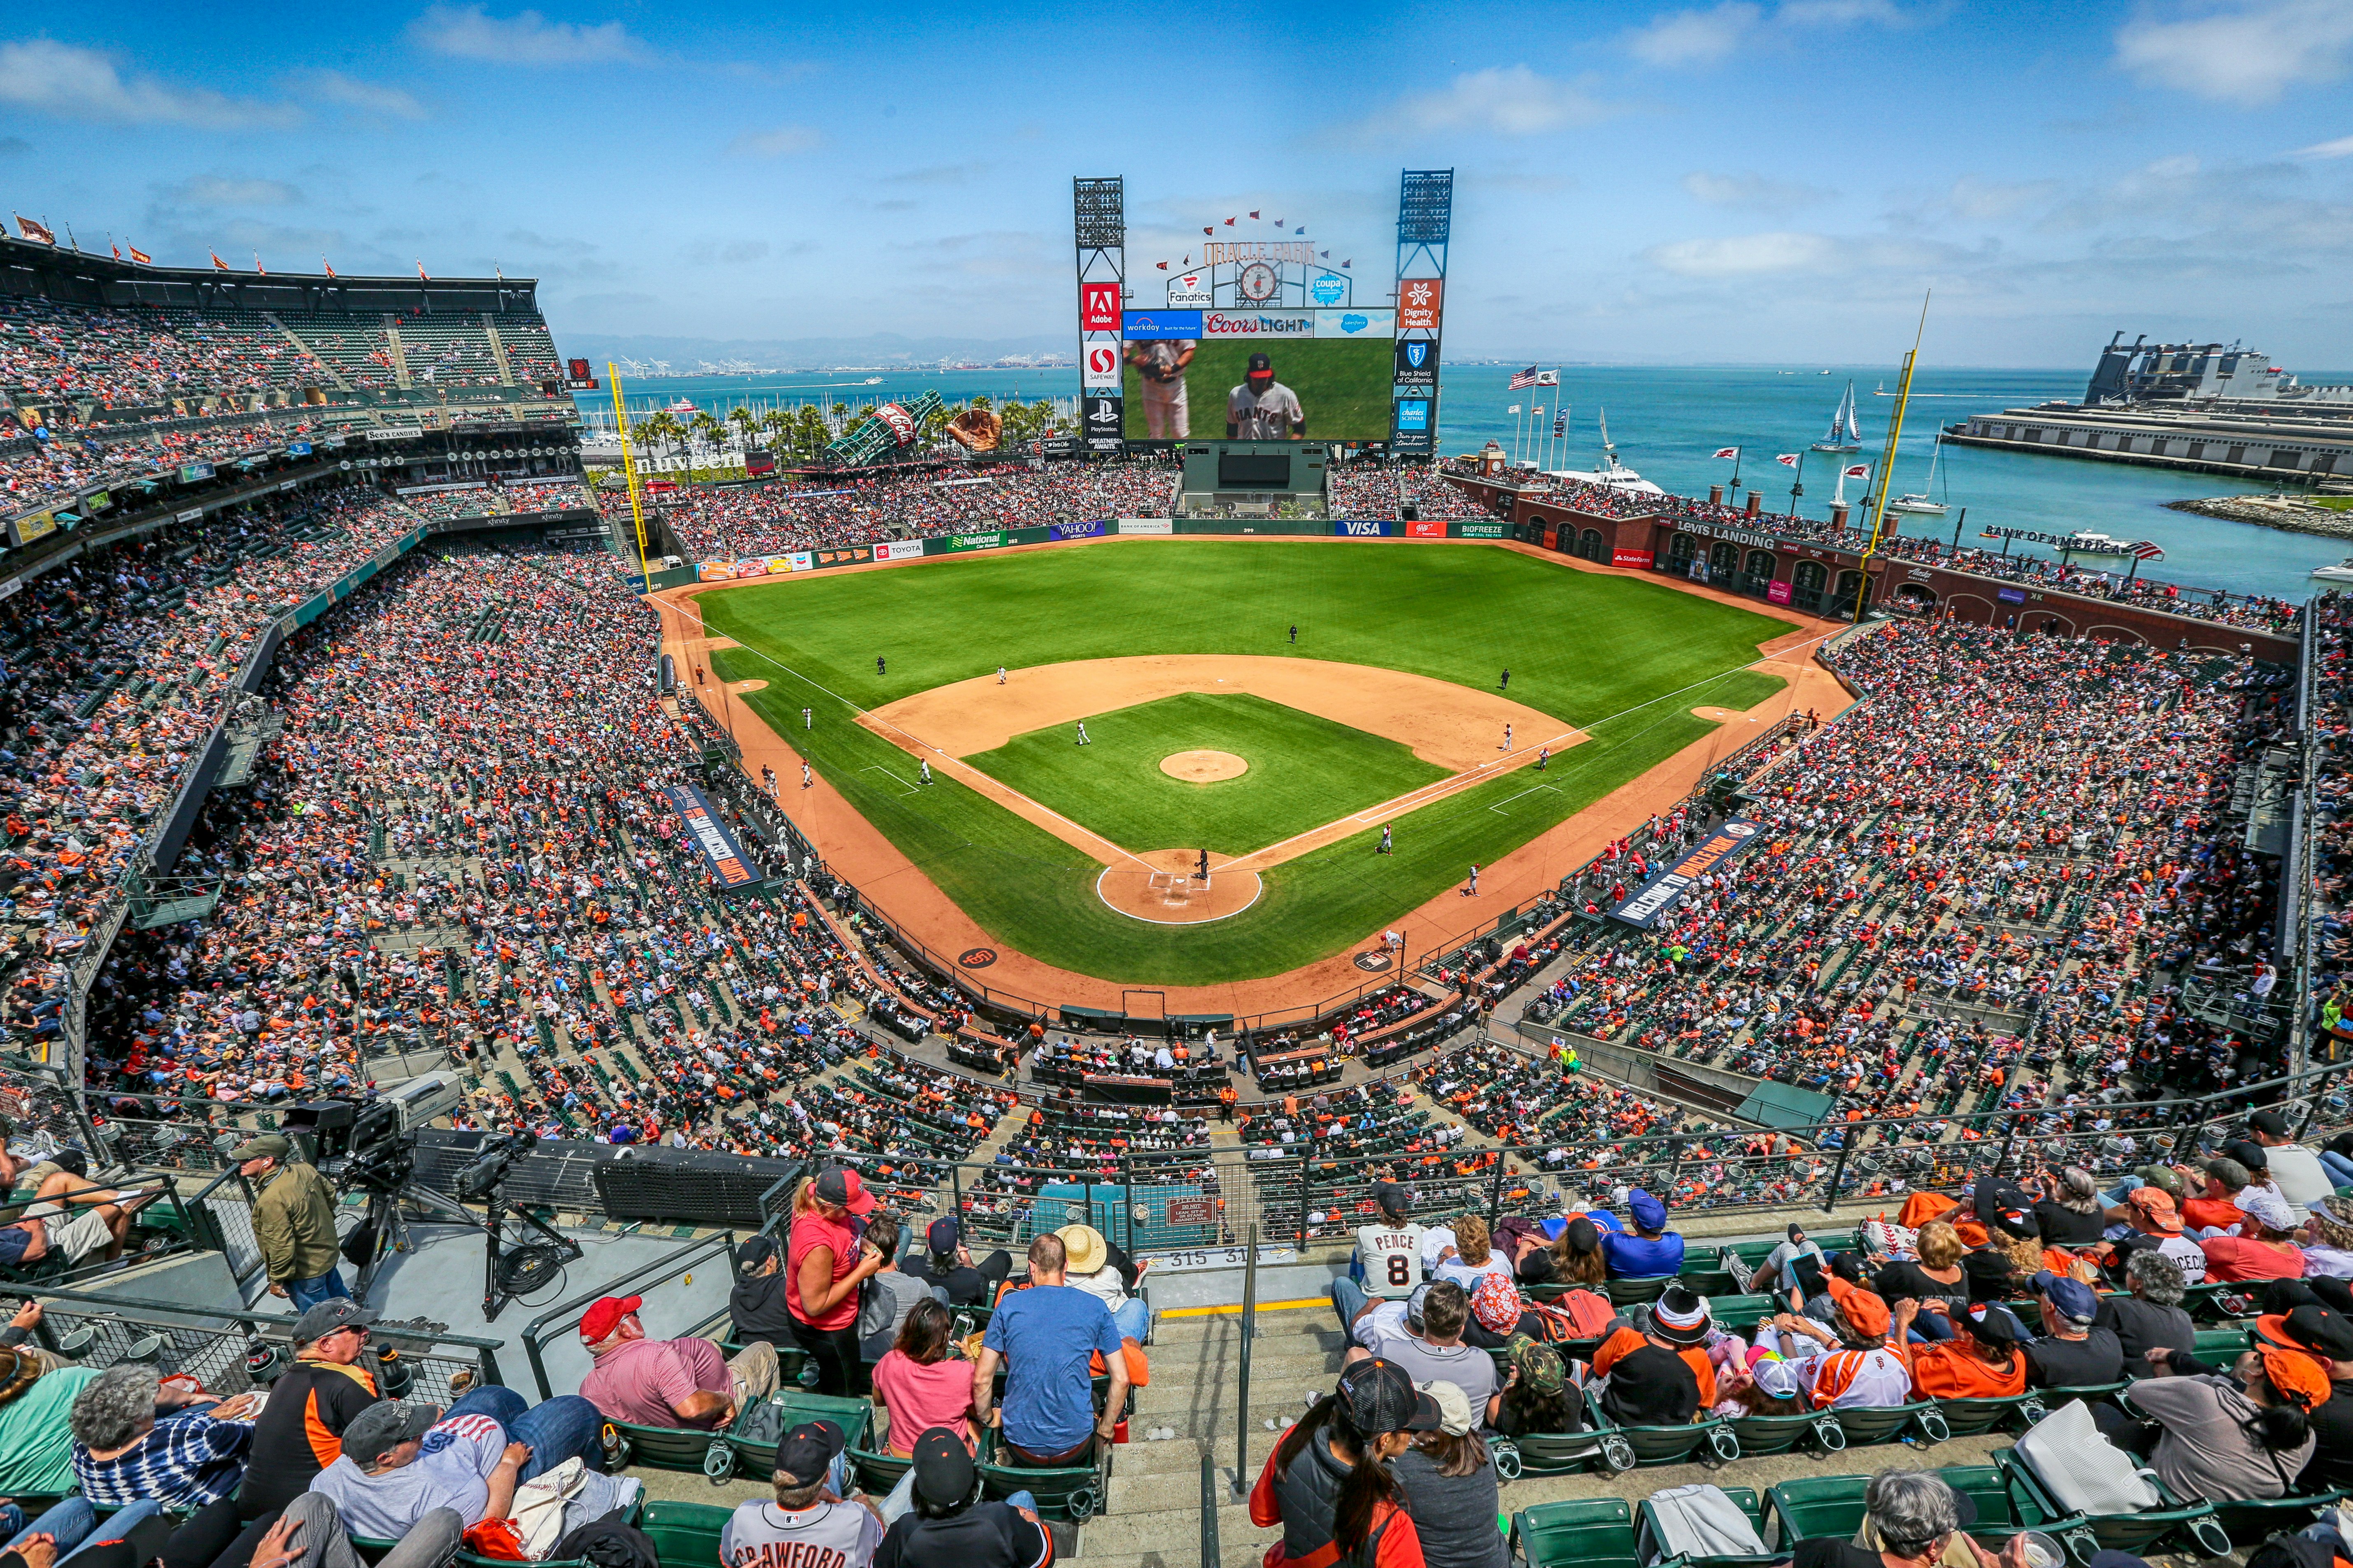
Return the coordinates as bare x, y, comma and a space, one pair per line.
828, 1535
1262, 416
1391, 1255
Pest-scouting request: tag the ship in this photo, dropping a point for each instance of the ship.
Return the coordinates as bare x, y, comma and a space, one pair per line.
1844, 434
2085, 541
1612, 475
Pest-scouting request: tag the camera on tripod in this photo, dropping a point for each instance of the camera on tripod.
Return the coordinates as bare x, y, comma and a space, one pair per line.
372, 1144
476, 1181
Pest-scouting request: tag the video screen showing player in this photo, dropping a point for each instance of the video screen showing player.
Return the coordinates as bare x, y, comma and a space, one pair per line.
1159, 364
1261, 408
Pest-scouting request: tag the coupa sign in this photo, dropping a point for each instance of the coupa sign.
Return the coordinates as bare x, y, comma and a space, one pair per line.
1361, 527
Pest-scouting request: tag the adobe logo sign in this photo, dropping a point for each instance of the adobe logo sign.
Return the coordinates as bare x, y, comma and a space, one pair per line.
1097, 307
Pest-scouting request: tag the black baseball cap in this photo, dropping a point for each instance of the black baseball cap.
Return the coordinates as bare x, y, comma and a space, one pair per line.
753, 1254
807, 1451
1379, 1397
1391, 1197
317, 1323
943, 1235
2270, 1122
2248, 1153
944, 1470
384, 1426
1259, 362
1990, 1324
2312, 1328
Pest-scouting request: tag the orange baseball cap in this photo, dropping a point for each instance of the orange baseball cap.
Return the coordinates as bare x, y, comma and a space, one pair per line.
1866, 1311
2157, 1204
2296, 1375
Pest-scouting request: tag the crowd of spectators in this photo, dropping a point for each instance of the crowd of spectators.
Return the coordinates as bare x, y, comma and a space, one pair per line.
499, 499
49, 461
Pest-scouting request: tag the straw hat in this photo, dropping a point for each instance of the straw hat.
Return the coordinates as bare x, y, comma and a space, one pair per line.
1085, 1244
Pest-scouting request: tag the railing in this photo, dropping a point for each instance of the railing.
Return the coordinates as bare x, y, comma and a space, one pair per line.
221, 1216
1249, 1334
566, 1316
1209, 1552
98, 1331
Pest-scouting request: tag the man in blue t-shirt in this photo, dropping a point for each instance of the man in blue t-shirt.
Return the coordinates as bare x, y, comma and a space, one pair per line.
1046, 1336
1652, 1252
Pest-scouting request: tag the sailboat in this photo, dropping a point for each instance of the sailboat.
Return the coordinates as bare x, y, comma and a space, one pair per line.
1919, 502
1844, 436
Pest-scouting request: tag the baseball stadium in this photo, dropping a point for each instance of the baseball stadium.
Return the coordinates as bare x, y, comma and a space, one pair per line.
1200, 971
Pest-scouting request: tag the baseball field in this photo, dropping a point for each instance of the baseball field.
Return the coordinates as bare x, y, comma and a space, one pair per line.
1210, 730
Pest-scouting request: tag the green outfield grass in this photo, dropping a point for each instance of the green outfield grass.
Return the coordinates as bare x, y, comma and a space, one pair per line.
1304, 772
1622, 658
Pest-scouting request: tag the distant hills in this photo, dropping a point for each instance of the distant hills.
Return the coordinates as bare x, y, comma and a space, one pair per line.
874, 349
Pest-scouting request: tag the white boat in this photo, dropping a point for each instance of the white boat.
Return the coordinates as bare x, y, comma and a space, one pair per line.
1612, 474
1920, 501
682, 405
2340, 573
1844, 434
2083, 542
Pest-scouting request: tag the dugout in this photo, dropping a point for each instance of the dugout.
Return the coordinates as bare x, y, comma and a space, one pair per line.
1253, 479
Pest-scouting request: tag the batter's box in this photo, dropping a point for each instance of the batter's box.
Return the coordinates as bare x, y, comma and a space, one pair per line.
1176, 888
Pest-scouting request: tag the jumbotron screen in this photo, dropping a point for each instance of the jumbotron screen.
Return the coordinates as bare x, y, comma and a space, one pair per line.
1258, 375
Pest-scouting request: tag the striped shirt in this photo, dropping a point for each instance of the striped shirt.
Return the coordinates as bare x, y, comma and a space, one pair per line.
189, 1460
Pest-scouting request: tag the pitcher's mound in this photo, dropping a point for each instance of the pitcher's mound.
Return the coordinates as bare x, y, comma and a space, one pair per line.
1161, 886
1203, 767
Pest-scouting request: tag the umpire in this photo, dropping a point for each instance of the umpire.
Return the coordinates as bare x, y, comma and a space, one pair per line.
293, 1220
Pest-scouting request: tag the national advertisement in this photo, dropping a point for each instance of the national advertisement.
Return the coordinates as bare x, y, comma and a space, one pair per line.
1099, 306
1381, 325
1147, 525
1258, 324
1425, 529
1362, 527
1630, 558
1666, 888
803, 561
1077, 529
1105, 420
975, 540
1417, 366
851, 556
725, 855
779, 566
1100, 369
25, 530
1419, 301
715, 571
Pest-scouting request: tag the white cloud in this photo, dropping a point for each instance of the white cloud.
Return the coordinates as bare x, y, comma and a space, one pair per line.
349, 92
783, 141
1695, 38
1743, 255
2247, 53
1750, 190
1983, 201
1507, 100
2340, 147
1841, 12
214, 190
48, 78
527, 38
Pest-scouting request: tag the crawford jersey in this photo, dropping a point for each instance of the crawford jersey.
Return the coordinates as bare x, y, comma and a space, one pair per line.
830, 1535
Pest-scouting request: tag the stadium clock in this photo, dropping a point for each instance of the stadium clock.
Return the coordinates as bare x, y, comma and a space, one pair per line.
1257, 282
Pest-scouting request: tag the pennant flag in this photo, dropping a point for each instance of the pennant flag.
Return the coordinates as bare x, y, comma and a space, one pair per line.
141, 257
1301, 229
1859, 471
1325, 254
420, 271
1162, 264
1208, 228
1347, 264
1278, 223
1230, 222
2147, 551
1727, 451
1520, 378
258, 266
1253, 212
219, 265
1790, 459
328, 264
35, 231
114, 247
1547, 378
1515, 408
1560, 424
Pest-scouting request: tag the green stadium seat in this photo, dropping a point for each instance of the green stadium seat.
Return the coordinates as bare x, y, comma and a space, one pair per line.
2193, 1525
1589, 1532
854, 1415
1646, 1532
685, 1534
1868, 1425
670, 1448
2249, 1524
1075, 1493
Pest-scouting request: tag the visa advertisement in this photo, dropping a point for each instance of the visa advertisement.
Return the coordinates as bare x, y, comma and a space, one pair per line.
1270, 375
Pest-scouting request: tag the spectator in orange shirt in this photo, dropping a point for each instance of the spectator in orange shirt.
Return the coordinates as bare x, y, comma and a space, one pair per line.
2217, 1208
1981, 1361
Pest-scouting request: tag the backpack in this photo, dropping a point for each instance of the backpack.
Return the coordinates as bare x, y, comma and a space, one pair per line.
607, 1543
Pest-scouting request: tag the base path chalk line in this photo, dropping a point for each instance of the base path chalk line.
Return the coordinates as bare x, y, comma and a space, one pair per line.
1507, 800
905, 787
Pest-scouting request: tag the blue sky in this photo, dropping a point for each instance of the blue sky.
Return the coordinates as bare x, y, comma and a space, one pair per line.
1754, 180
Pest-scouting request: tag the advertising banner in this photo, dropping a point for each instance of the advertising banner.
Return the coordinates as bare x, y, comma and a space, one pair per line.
1099, 306
1416, 366
1425, 530
191, 515
1077, 529
1381, 325
298, 449
851, 556
755, 567
1630, 558
1104, 419
25, 530
1419, 303
975, 540
1666, 890
802, 560
1275, 324
1101, 367
711, 836
1147, 525
1190, 288
778, 565
1699, 569
1482, 530
900, 550
1146, 326
1363, 527
1777, 593
715, 571
2010, 595
190, 473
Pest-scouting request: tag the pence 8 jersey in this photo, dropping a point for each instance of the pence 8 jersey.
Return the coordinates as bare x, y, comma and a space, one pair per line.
1391, 1257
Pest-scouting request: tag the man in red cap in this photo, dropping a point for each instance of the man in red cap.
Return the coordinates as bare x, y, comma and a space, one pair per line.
667, 1383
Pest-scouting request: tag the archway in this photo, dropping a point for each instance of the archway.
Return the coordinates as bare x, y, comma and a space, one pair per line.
1806, 582
1680, 550
1589, 544
1756, 573
1724, 564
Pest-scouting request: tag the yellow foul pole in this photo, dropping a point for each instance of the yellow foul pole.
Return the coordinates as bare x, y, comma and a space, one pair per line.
1887, 462
630, 469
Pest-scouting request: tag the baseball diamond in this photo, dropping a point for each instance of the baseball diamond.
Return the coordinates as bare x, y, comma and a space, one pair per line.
1386, 714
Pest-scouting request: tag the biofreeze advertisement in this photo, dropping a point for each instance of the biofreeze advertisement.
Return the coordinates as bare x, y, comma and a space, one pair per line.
1258, 375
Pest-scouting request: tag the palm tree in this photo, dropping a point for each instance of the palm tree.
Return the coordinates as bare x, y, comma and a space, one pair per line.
747, 425
809, 430
706, 426
779, 427
657, 427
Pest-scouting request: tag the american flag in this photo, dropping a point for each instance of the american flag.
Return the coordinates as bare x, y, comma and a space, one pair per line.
2147, 551
1520, 378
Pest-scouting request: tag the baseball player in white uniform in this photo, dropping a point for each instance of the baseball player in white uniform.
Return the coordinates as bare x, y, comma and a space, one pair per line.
1261, 408
1083, 734
1160, 371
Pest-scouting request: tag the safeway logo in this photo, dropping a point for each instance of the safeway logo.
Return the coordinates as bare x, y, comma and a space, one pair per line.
1103, 365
